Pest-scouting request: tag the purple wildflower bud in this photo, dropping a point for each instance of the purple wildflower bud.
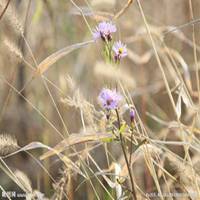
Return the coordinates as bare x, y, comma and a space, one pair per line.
132, 114
120, 51
109, 99
104, 31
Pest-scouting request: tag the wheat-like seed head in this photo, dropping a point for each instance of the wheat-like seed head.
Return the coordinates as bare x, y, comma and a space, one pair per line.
24, 180
12, 17
8, 144
13, 48
110, 72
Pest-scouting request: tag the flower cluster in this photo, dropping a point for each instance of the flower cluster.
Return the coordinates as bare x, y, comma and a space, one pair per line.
109, 99
104, 31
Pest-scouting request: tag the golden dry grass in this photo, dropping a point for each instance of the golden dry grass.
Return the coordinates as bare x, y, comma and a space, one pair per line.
51, 74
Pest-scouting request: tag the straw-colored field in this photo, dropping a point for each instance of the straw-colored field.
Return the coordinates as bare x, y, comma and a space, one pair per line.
100, 99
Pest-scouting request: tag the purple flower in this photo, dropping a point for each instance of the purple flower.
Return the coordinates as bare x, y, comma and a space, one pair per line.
109, 99
104, 31
120, 50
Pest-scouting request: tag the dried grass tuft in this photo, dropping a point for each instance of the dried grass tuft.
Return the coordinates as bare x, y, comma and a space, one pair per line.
110, 72
13, 48
12, 18
24, 180
8, 144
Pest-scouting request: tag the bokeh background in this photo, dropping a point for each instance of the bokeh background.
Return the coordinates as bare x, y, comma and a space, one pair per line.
51, 25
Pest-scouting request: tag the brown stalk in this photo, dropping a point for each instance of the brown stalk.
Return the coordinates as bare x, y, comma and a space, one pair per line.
123, 10
4, 10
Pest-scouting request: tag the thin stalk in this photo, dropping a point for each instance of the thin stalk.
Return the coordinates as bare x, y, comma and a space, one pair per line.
195, 51
125, 156
4, 10
131, 145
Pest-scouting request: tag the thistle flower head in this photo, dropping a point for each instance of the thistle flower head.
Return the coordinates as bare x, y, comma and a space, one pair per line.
120, 50
109, 99
104, 31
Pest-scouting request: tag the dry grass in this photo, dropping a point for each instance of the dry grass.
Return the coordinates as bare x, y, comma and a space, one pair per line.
8, 144
68, 146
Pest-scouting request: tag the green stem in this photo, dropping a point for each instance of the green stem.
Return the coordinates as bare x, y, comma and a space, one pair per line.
131, 145
125, 156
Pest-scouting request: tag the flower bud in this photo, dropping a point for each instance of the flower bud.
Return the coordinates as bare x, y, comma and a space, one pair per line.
132, 115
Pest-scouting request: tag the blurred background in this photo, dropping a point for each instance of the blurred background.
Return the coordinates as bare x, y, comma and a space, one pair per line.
51, 25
